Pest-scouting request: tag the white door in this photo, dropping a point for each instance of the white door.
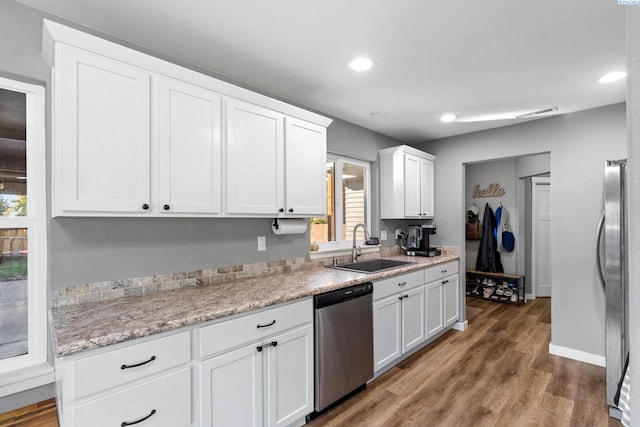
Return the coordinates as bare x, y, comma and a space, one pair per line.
231, 389
541, 236
412, 318
434, 316
254, 156
289, 376
450, 304
102, 142
189, 164
427, 205
386, 330
305, 162
412, 206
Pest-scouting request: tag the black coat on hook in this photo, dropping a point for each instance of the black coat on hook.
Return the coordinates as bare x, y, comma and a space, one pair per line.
488, 255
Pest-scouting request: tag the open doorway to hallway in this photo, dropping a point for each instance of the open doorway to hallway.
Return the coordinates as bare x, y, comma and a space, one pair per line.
504, 188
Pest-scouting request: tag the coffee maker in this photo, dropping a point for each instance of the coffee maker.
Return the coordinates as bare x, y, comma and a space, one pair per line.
418, 241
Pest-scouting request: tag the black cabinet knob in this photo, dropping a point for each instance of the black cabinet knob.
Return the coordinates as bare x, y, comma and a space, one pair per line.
281, 210
166, 207
291, 210
145, 207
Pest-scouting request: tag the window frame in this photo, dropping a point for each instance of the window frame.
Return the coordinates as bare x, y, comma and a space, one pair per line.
36, 224
338, 244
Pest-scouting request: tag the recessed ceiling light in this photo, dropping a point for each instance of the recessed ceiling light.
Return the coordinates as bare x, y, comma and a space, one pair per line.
612, 77
361, 63
448, 117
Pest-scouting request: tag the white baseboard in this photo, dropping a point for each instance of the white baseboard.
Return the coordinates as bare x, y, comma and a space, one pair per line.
578, 355
461, 326
26, 379
529, 297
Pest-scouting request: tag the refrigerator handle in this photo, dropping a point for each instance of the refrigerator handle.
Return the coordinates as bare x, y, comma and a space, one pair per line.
598, 245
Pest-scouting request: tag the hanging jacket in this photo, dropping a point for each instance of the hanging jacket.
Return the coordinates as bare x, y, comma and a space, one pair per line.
488, 255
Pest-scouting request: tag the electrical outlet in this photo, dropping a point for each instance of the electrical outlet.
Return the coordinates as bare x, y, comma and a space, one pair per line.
383, 235
262, 243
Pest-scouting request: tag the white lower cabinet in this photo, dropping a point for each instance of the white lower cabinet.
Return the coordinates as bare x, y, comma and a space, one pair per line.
145, 382
267, 380
165, 401
441, 297
398, 319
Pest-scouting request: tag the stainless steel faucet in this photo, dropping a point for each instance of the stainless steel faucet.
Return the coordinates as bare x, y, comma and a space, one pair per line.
354, 251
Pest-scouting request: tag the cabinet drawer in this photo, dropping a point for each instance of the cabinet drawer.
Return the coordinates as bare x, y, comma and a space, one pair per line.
386, 287
166, 401
105, 370
253, 327
440, 271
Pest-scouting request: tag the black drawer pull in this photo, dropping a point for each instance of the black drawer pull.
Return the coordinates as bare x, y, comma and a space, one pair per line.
270, 344
267, 325
443, 271
130, 423
402, 284
445, 281
138, 364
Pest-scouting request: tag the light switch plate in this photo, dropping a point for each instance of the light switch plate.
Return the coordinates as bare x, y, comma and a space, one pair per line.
383, 235
262, 243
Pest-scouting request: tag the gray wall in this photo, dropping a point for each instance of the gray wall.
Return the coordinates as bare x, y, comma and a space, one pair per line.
579, 143
96, 249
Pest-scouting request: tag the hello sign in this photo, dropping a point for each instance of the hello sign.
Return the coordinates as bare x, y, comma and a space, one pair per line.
493, 190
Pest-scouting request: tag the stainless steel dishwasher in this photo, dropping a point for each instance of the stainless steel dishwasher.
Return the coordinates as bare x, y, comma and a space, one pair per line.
343, 342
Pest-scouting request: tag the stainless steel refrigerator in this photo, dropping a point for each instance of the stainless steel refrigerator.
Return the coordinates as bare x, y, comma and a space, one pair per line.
612, 262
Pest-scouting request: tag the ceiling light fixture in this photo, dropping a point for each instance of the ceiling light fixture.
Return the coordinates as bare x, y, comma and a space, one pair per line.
361, 63
449, 117
612, 77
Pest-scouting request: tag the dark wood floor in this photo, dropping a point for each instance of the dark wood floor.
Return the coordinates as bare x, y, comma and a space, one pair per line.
497, 373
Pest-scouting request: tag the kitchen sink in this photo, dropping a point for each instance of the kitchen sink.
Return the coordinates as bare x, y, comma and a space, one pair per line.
372, 265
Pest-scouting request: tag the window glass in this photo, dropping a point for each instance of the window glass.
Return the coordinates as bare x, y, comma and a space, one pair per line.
347, 202
13, 292
13, 154
354, 200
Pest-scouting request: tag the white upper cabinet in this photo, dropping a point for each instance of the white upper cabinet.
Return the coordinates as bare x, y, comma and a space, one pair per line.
101, 142
136, 135
255, 151
305, 168
189, 163
406, 183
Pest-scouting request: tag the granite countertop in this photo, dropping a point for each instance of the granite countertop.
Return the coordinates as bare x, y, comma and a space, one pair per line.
82, 327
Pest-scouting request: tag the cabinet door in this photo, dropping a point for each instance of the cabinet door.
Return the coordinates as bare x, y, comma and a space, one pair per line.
231, 389
451, 295
413, 323
426, 189
305, 173
387, 324
189, 164
254, 156
412, 207
289, 376
434, 315
102, 145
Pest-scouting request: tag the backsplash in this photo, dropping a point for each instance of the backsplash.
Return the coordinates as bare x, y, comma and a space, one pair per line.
91, 292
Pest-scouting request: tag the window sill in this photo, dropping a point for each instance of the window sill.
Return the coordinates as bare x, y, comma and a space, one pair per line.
26, 379
341, 251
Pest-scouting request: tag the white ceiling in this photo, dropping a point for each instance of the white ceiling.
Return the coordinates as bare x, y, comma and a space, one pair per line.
468, 57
